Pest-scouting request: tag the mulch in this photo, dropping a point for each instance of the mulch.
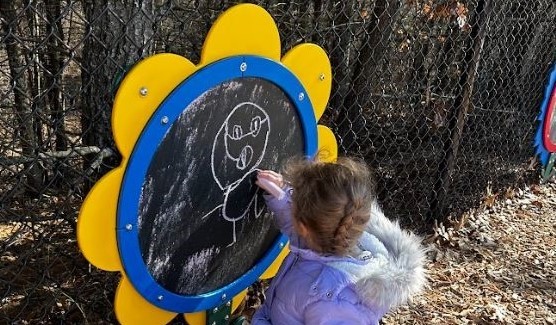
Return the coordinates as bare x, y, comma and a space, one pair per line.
493, 265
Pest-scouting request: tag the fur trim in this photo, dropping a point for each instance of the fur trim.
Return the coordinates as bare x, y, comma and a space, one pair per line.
389, 279
403, 275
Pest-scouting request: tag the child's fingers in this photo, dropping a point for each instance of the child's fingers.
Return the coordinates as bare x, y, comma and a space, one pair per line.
270, 187
273, 173
263, 185
271, 176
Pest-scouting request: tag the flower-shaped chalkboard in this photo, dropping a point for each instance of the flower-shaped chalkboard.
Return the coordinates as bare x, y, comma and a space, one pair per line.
181, 218
545, 140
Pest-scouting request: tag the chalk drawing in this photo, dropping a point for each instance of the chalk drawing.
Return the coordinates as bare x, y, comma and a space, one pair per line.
242, 138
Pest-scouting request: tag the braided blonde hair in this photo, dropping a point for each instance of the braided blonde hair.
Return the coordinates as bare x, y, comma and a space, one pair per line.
332, 200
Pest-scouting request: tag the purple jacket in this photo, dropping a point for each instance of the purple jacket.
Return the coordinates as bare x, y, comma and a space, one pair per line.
382, 272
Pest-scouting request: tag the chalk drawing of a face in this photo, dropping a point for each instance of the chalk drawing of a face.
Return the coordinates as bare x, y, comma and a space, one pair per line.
238, 149
245, 133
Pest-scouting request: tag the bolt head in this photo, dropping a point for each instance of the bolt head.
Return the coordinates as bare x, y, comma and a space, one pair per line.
128, 227
301, 96
164, 120
224, 296
143, 91
160, 298
243, 67
321, 77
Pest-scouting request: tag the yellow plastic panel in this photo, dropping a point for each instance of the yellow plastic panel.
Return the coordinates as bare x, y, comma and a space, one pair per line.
238, 299
328, 147
96, 224
273, 268
311, 65
242, 29
200, 318
132, 308
141, 92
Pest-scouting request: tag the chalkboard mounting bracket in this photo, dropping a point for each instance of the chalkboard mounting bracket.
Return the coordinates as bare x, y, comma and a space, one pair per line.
219, 315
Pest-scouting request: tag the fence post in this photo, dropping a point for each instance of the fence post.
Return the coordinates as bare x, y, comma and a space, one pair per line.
462, 105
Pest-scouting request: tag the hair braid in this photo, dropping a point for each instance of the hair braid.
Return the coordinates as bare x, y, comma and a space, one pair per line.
343, 235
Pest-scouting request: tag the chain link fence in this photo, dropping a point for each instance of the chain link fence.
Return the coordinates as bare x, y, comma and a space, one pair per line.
439, 96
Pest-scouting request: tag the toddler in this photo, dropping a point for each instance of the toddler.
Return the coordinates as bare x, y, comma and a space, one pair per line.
348, 263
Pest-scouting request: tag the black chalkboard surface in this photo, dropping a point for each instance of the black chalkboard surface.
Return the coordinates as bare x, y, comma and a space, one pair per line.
202, 221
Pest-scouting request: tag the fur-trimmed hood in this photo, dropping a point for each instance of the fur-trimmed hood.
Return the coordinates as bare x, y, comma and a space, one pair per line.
395, 263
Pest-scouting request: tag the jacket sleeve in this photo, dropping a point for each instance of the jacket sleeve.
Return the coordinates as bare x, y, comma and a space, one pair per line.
282, 210
323, 312
261, 316
260, 321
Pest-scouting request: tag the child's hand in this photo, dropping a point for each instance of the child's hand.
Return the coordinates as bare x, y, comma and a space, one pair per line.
271, 182
272, 176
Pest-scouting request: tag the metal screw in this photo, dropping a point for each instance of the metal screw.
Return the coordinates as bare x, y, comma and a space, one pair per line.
215, 310
281, 245
243, 67
301, 96
213, 323
129, 226
160, 297
164, 120
321, 77
226, 317
224, 296
143, 91
229, 303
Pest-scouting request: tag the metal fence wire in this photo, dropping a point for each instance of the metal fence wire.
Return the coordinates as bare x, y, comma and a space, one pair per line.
439, 96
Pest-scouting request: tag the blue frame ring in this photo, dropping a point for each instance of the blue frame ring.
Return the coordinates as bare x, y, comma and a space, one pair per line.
151, 137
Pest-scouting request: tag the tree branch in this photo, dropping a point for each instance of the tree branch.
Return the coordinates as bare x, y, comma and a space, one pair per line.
70, 153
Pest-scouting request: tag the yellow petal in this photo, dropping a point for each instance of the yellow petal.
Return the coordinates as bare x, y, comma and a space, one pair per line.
200, 318
144, 87
273, 268
311, 65
242, 29
132, 308
328, 147
238, 299
96, 224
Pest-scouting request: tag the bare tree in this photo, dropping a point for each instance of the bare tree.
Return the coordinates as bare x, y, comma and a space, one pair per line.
373, 47
118, 33
21, 87
53, 71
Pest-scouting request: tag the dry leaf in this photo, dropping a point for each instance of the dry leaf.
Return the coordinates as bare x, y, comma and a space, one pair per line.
538, 204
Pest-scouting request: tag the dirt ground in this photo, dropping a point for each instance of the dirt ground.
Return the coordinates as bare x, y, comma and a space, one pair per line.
495, 265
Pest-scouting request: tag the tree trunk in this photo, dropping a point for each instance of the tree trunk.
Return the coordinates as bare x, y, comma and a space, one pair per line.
374, 46
53, 75
112, 44
34, 61
25, 118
